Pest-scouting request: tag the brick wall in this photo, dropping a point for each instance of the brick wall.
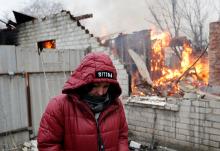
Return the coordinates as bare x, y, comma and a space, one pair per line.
122, 76
186, 124
214, 53
69, 35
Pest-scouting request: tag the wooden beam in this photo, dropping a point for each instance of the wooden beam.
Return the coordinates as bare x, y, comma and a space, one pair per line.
142, 68
83, 16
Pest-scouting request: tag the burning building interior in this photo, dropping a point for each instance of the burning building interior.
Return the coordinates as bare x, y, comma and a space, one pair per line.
172, 65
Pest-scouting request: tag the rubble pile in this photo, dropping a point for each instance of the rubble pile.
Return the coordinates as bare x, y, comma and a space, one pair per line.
30, 146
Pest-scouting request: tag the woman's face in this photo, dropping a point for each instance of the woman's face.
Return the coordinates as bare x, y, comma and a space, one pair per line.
99, 89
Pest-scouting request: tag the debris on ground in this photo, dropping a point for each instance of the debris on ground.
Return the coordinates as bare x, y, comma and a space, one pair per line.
30, 146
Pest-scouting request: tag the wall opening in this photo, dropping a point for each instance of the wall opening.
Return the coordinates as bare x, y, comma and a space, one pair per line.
48, 44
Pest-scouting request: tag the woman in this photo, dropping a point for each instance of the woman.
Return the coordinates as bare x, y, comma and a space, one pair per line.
88, 115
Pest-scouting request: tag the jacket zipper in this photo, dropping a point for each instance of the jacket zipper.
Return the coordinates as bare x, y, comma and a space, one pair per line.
100, 142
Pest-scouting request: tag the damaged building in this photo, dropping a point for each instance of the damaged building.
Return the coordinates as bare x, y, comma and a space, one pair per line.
166, 117
186, 122
43, 52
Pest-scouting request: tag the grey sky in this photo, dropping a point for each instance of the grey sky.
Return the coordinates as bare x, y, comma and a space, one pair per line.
112, 16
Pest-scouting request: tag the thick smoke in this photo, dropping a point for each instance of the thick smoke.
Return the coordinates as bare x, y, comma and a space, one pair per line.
111, 17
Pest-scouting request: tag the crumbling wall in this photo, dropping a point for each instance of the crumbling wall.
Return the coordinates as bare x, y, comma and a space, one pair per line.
186, 124
214, 54
69, 35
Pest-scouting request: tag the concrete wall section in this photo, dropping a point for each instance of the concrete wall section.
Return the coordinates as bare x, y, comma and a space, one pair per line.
193, 125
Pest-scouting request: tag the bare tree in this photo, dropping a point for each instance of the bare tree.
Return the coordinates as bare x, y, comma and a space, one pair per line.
42, 8
165, 14
195, 14
185, 16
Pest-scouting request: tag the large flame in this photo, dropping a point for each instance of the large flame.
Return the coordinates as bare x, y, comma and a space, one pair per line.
165, 77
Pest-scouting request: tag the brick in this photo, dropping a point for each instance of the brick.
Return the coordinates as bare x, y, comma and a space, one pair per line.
140, 129
213, 117
203, 110
185, 108
120, 66
212, 131
216, 125
214, 104
133, 121
195, 128
199, 116
122, 76
216, 111
215, 137
183, 143
172, 107
181, 137
182, 126
200, 103
185, 103
182, 131
199, 134
184, 114
131, 127
165, 128
202, 123
213, 149
194, 139
201, 147
211, 143
165, 134
185, 120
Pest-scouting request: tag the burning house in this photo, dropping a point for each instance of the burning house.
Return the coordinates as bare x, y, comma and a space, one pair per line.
174, 90
167, 62
181, 108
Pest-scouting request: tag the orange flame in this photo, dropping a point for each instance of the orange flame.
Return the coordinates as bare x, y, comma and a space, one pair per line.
134, 85
165, 77
49, 44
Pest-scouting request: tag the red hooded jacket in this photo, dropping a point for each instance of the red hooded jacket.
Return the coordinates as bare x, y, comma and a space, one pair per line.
68, 122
